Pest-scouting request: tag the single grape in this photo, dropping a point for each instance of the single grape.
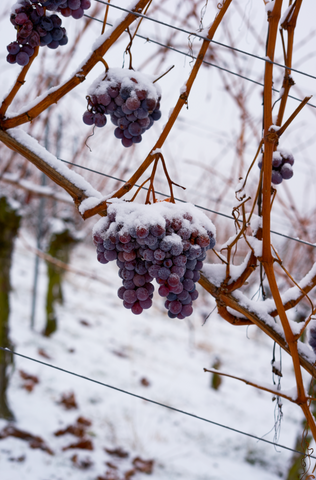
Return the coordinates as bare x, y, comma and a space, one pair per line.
286, 171
276, 177
126, 142
110, 255
187, 310
173, 280
188, 284
11, 58
100, 120
139, 280
163, 291
142, 293
175, 307
121, 292
76, 14
22, 59
156, 115
145, 304
132, 103
130, 296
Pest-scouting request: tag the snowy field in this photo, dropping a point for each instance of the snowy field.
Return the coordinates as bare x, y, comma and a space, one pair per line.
149, 355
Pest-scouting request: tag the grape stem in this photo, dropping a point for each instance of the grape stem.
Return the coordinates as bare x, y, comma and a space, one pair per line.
77, 77
101, 208
18, 84
105, 17
167, 71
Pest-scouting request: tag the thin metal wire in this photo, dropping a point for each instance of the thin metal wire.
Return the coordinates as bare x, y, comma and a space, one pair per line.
174, 409
204, 61
202, 37
184, 201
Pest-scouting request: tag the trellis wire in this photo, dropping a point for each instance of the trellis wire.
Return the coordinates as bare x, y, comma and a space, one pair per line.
174, 409
183, 201
203, 61
202, 37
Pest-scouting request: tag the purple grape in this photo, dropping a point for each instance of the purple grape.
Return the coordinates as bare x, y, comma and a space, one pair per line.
132, 103
126, 142
286, 171
13, 48
194, 295
163, 291
196, 276
11, 58
121, 292
129, 256
156, 115
140, 113
118, 133
99, 120
22, 59
288, 159
184, 295
176, 249
142, 293
101, 259
130, 296
110, 255
175, 307
177, 289
137, 138
127, 274
134, 128
76, 14
139, 280
141, 268
130, 265
149, 287
145, 304
159, 254
173, 280
276, 177
74, 4
187, 310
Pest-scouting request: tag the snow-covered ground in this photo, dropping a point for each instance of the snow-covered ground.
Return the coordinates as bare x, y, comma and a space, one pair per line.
151, 356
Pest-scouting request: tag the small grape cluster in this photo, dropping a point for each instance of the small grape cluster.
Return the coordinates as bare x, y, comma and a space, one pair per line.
282, 163
68, 8
131, 99
34, 28
155, 242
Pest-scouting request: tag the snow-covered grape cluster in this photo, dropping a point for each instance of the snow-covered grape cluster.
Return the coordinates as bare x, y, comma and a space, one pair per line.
163, 241
130, 98
282, 163
36, 28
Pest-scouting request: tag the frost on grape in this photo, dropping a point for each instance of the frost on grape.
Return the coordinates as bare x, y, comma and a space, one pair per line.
130, 98
163, 241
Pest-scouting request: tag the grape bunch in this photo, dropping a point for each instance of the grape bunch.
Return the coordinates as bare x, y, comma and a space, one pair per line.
68, 8
163, 241
34, 28
282, 163
130, 98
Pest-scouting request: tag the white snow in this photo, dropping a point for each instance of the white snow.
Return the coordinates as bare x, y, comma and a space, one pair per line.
216, 273
255, 223
124, 77
255, 244
120, 349
133, 214
33, 145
